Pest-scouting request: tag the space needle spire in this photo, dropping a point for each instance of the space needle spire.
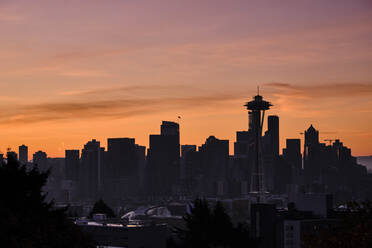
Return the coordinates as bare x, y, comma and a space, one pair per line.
257, 108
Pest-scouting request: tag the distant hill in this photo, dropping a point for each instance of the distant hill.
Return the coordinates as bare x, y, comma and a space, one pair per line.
366, 161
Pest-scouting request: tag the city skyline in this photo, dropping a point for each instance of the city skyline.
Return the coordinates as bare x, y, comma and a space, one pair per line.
117, 69
325, 137
178, 124
105, 142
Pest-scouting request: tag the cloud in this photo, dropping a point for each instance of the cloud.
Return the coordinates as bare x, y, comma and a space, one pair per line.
317, 100
106, 108
323, 90
124, 89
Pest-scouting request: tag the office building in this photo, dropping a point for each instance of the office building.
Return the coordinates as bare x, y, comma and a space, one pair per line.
214, 155
40, 159
163, 160
92, 163
23, 154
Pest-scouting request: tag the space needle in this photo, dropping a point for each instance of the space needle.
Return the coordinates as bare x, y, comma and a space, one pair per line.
256, 109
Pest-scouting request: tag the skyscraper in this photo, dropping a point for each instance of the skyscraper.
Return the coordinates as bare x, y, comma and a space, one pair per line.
169, 128
92, 162
243, 158
190, 170
121, 170
292, 155
23, 154
12, 154
214, 155
40, 159
72, 164
163, 160
273, 130
312, 156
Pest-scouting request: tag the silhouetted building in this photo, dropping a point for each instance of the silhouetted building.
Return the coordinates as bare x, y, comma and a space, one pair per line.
163, 160
70, 182
270, 152
92, 163
55, 185
11, 154
242, 163
122, 168
313, 157
332, 169
185, 149
214, 155
23, 154
141, 168
191, 172
273, 131
72, 164
292, 155
41, 160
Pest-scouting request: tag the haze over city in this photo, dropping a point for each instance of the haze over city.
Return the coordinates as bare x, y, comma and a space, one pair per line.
71, 71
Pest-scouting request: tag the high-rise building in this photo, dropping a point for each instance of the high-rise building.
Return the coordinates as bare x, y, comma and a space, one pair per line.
190, 172
40, 159
185, 150
141, 168
122, 168
169, 128
311, 136
163, 160
293, 158
313, 158
273, 130
92, 163
72, 164
23, 154
11, 154
214, 155
243, 162
292, 153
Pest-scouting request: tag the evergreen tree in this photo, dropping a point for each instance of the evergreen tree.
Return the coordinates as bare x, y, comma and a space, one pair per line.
27, 220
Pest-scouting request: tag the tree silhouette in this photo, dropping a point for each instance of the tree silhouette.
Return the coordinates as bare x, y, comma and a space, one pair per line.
27, 220
100, 207
212, 228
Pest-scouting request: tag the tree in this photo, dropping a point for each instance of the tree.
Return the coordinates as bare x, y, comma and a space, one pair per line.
100, 207
27, 220
212, 228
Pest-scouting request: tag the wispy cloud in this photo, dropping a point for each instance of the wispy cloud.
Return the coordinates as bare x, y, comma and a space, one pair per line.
125, 89
317, 99
106, 108
326, 90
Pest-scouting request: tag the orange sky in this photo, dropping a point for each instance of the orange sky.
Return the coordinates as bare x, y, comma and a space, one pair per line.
72, 71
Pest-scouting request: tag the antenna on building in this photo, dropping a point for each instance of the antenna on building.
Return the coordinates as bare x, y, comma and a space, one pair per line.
258, 90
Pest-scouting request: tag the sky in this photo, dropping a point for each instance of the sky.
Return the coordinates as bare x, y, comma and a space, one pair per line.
74, 70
